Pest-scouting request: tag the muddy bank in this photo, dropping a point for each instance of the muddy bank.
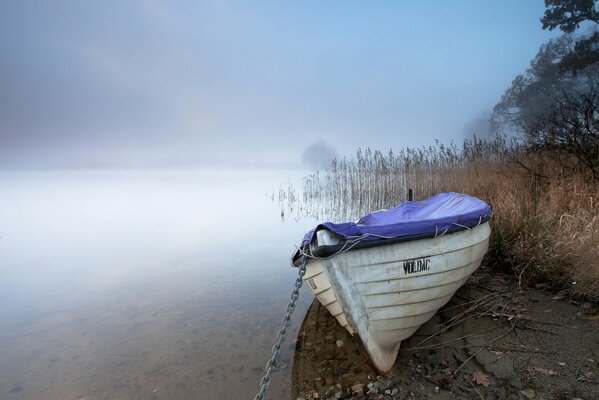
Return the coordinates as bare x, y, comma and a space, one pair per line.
490, 341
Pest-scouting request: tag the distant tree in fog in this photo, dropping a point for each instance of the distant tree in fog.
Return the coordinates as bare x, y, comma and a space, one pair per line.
555, 111
535, 90
554, 105
479, 127
318, 155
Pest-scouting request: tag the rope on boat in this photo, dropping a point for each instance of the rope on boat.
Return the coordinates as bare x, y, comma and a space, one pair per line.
351, 242
467, 227
276, 349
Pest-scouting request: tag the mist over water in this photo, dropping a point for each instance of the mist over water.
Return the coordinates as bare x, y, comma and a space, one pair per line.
142, 283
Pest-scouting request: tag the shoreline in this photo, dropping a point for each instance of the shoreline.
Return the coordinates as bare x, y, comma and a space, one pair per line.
491, 341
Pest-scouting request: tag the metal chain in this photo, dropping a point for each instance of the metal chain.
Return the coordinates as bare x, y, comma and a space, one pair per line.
276, 349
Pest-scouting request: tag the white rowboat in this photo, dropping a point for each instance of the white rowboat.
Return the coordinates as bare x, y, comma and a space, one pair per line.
383, 292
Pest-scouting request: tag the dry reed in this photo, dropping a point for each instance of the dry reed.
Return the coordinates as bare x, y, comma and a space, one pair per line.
546, 216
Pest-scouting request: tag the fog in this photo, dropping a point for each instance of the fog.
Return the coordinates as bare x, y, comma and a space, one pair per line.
104, 275
138, 84
82, 232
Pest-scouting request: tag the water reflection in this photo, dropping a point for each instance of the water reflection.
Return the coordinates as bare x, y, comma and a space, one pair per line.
319, 200
131, 285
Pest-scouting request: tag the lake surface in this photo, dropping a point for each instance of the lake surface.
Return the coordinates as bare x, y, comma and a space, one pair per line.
144, 284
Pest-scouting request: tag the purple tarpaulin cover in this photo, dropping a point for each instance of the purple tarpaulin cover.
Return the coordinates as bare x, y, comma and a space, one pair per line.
431, 216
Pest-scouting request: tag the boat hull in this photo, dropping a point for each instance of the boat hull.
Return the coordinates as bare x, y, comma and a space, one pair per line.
384, 294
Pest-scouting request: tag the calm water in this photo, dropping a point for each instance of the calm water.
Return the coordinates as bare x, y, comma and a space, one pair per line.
143, 285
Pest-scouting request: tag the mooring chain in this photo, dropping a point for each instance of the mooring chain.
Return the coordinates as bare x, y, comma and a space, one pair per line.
276, 349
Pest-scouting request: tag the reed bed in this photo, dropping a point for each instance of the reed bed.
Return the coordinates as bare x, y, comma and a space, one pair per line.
546, 217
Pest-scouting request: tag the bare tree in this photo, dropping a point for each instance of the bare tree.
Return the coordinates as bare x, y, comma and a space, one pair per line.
568, 126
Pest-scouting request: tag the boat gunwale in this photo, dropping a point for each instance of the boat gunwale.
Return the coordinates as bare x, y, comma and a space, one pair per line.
324, 251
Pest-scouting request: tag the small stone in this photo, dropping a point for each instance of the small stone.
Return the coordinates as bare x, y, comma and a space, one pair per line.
155, 391
339, 343
373, 391
394, 392
437, 389
370, 385
529, 394
358, 389
387, 391
315, 396
388, 384
339, 395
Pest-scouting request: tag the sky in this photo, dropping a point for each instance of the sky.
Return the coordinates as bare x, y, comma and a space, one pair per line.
155, 84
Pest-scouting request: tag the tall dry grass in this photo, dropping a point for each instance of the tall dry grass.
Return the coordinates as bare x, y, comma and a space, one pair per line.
546, 212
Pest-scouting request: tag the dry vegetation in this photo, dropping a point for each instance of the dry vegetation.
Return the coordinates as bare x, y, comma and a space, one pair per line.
546, 211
